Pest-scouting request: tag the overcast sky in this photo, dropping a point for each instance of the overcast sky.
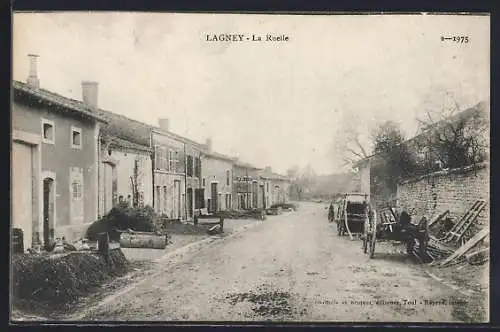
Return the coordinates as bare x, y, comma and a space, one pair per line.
274, 103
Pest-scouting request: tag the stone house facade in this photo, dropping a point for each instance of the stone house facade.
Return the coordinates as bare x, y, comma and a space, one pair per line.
245, 185
55, 161
217, 179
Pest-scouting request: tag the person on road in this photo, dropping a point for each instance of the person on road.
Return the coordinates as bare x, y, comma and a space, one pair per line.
331, 213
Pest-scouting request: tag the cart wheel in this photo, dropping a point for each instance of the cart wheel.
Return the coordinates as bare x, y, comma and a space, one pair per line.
410, 244
373, 236
422, 248
372, 245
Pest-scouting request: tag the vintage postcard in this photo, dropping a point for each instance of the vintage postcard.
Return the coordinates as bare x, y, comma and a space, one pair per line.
250, 167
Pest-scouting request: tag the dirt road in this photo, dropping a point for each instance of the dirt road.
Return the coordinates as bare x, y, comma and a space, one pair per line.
291, 267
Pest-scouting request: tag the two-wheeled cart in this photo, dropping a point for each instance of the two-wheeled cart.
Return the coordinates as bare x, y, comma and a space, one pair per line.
388, 225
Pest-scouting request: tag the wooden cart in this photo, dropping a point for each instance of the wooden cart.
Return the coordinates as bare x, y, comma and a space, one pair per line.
351, 214
387, 225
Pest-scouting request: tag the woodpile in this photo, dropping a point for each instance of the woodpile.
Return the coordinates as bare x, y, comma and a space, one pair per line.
454, 245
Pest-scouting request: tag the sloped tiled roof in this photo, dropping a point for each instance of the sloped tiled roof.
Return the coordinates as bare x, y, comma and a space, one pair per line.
65, 103
136, 131
271, 175
125, 128
243, 164
123, 143
217, 155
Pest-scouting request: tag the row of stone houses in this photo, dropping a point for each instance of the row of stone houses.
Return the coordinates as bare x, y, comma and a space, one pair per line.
72, 162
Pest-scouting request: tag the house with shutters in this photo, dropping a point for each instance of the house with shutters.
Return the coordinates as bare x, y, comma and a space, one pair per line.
217, 180
195, 193
245, 185
54, 164
275, 187
177, 172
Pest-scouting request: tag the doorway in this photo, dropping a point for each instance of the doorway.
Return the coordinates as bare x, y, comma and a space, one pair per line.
214, 197
177, 197
263, 196
190, 202
110, 187
23, 191
48, 211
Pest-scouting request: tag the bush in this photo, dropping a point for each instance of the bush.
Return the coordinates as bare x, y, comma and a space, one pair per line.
123, 217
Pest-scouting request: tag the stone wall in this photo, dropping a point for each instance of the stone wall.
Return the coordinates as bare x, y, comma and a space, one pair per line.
455, 190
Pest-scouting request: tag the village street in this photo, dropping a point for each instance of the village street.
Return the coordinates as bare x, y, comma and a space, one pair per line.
291, 267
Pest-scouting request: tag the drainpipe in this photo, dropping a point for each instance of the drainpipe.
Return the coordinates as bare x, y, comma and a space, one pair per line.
185, 182
152, 168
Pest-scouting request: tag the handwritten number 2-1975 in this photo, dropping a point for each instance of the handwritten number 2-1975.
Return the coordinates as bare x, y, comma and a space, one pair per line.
456, 39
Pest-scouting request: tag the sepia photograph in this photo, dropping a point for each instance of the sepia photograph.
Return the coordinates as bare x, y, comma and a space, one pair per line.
250, 167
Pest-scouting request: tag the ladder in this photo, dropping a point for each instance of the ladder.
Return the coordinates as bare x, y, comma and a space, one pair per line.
459, 229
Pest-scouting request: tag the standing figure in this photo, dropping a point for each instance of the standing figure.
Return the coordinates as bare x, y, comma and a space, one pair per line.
331, 213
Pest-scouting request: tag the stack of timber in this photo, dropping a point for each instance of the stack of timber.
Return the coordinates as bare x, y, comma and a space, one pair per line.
452, 247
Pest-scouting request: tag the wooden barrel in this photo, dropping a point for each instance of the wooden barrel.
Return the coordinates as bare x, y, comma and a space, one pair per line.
143, 240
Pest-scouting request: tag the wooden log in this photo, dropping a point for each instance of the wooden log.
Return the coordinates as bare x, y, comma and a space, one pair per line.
441, 216
215, 229
468, 245
142, 240
477, 252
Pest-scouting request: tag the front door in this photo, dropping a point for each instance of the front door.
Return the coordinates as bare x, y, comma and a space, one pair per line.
263, 196
109, 187
22, 191
48, 211
190, 202
177, 197
214, 197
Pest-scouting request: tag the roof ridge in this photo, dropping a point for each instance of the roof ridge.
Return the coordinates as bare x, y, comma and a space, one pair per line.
26, 85
54, 97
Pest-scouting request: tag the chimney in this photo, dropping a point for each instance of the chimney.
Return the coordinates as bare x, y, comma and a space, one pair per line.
89, 94
163, 122
208, 144
33, 80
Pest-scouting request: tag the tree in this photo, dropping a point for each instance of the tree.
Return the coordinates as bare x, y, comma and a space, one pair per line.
301, 180
452, 137
395, 158
351, 143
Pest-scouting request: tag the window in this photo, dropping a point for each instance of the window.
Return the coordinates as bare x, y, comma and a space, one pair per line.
76, 190
228, 175
48, 131
197, 167
160, 157
189, 166
76, 138
171, 161
267, 186
76, 195
203, 182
